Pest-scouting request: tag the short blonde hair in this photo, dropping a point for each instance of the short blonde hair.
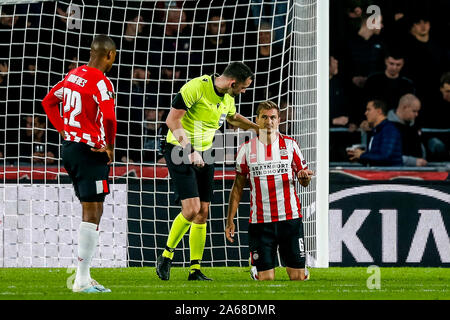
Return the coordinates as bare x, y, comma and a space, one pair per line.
267, 105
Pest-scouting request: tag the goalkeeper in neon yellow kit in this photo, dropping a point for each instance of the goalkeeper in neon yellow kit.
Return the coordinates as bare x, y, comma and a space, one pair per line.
197, 111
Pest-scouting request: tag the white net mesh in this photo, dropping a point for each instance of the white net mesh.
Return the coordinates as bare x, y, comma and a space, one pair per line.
160, 45
40, 227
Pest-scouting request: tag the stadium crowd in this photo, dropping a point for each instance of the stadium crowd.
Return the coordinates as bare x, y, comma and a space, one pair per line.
405, 57
400, 57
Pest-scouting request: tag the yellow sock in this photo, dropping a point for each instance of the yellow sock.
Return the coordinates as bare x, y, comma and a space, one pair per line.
179, 227
197, 239
195, 265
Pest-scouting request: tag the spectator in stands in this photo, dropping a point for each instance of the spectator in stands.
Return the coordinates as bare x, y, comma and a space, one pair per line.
3, 113
170, 81
216, 55
171, 39
156, 107
140, 99
12, 35
398, 13
286, 117
339, 116
152, 135
364, 56
394, 13
7, 17
130, 116
3, 81
72, 63
134, 78
265, 58
424, 57
445, 88
3, 73
338, 101
136, 38
345, 20
68, 17
11, 39
404, 117
438, 143
133, 49
262, 10
216, 34
139, 84
33, 12
365, 52
354, 10
389, 85
12, 28
34, 145
385, 146
134, 27
13, 20
62, 15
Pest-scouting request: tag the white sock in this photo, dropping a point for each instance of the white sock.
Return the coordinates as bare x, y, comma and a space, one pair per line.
87, 244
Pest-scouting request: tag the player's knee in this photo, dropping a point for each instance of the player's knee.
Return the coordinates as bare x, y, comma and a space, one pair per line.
91, 217
93, 220
297, 276
191, 209
204, 210
92, 212
265, 277
202, 215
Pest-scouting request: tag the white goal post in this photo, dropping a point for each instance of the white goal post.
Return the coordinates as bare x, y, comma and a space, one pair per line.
310, 90
161, 45
322, 190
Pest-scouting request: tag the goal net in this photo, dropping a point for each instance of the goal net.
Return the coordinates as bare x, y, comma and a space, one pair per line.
160, 46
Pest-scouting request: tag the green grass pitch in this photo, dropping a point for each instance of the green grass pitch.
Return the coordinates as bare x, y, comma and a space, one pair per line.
230, 283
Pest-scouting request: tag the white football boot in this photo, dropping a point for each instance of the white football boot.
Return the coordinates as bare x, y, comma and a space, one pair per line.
92, 287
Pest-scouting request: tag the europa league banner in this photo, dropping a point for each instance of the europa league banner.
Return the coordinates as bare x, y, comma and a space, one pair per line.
389, 220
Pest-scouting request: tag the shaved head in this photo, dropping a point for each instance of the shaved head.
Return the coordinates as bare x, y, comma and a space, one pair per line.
408, 100
103, 53
101, 45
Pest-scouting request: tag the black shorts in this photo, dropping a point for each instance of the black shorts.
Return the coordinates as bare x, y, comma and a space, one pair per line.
188, 180
88, 170
266, 238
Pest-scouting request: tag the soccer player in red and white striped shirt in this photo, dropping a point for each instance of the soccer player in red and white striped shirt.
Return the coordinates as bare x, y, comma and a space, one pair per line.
270, 162
88, 127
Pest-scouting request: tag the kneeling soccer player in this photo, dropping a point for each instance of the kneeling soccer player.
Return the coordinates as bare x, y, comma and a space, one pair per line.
271, 161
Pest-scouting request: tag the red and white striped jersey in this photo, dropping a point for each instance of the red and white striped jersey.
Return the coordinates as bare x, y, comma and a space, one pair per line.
88, 107
271, 170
